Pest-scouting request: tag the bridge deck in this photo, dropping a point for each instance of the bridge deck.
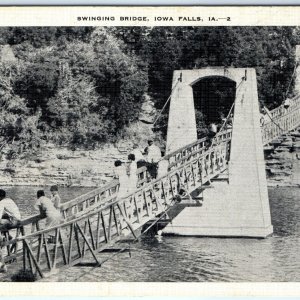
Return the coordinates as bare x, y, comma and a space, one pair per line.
96, 226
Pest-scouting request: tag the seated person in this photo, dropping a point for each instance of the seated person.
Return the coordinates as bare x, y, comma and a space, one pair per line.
10, 217
9, 212
47, 209
55, 198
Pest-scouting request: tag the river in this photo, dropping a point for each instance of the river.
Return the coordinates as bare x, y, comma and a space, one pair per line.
275, 258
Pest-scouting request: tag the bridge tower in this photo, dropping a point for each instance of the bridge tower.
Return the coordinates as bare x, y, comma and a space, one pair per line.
239, 207
297, 77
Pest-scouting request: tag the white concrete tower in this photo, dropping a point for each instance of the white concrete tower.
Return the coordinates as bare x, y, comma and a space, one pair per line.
240, 208
182, 120
297, 79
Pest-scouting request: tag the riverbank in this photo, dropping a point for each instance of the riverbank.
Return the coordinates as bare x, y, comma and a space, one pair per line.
93, 168
79, 168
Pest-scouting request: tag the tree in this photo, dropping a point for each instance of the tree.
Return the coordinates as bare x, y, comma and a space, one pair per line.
37, 84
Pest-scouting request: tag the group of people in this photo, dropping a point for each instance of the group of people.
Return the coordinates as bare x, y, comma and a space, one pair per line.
126, 172
10, 216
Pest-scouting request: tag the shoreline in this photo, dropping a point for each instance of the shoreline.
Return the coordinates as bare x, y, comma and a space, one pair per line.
95, 168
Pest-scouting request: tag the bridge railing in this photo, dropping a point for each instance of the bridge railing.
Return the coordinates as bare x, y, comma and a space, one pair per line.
109, 192
27, 226
66, 244
281, 120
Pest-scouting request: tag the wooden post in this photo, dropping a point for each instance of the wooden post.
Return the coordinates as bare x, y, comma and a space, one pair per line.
63, 248
88, 244
31, 256
46, 251
104, 228
110, 223
70, 243
127, 221
55, 247
91, 234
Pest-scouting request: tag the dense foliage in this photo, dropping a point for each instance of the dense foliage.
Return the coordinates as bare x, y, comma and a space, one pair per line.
271, 50
81, 86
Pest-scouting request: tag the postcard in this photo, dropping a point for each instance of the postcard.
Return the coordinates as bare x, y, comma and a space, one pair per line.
150, 151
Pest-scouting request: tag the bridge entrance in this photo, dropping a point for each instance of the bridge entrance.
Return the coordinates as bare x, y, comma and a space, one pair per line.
213, 98
196, 87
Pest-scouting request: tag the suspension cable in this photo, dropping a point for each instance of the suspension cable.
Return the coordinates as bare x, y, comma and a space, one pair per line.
159, 115
266, 110
294, 72
228, 115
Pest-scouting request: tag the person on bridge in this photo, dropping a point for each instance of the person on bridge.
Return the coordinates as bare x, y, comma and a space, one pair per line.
10, 217
47, 209
132, 169
139, 157
163, 166
213, 129
121, 174
3, 267
55, 198
9, 212
153, 157
287, 103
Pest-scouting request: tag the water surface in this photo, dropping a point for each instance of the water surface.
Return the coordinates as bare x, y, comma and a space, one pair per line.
191, 259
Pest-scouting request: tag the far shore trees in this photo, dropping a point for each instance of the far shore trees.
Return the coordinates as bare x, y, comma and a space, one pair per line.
82, 86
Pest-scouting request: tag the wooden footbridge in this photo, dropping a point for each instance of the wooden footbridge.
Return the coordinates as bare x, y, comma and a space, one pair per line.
99, 219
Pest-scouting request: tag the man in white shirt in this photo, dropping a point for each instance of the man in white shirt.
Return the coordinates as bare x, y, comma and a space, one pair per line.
9, 211
139, 157
9, 218
154, 153
287, 103
153, 157
47, 209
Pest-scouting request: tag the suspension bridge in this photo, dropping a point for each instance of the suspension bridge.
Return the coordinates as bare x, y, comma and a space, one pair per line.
99, 219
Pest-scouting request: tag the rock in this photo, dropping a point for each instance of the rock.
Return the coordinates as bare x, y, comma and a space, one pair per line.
282, 149
273, 162
287, 144
296, 145
276, 142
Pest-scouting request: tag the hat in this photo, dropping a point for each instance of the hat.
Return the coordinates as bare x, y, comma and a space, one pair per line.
54, 188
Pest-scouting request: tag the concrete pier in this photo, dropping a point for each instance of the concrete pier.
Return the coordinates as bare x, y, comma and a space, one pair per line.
217, 217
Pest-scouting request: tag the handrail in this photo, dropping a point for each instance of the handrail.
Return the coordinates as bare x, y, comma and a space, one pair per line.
90, 194
114, 183
281, 120
29, 220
